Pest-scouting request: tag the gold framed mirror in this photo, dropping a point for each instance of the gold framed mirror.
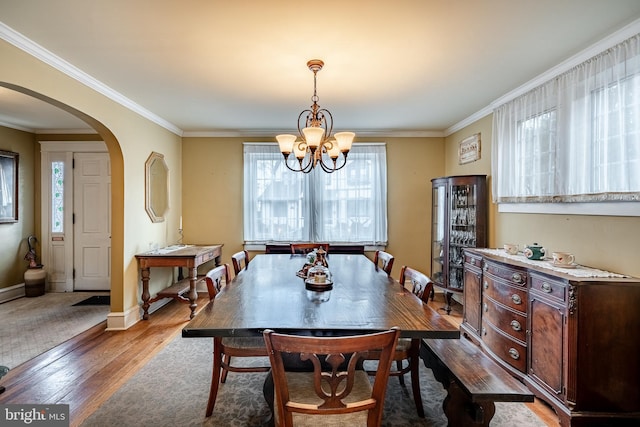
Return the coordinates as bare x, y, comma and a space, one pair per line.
156, 187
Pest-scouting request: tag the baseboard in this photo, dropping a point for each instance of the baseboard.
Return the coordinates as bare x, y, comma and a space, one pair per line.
119, 321
12, 292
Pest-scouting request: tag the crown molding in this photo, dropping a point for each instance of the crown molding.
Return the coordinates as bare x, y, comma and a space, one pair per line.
21, 42
18, 40
16, 127
469, 120
89, 131
608, 42
232, 133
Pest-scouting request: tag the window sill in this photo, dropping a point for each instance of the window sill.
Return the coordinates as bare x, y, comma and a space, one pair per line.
603, 209
262, 247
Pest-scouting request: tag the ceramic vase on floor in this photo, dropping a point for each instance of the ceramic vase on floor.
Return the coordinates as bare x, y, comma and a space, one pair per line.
34, 281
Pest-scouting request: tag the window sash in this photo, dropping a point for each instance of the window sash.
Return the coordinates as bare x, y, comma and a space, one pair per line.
347, 206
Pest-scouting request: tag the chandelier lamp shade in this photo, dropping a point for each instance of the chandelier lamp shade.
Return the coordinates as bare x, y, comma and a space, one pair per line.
316, 146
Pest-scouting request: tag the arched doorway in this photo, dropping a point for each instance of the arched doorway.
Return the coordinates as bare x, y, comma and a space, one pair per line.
117, 185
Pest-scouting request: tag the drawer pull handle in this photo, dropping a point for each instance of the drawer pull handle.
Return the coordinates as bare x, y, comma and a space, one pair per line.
484, 331
515, 325
516, 299
514, 353
546, 287
516, 277
486, 307
486, 284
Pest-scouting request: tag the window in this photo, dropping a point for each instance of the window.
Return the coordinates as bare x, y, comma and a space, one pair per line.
575, 138
347, 206
57, 197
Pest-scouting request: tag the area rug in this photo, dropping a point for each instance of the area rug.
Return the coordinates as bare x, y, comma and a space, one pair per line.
95, 300
172, 390
31, 326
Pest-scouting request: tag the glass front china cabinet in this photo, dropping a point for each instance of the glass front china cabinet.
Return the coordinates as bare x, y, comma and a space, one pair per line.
459, 220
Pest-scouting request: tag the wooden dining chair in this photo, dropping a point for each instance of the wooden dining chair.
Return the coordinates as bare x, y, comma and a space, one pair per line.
240, 260
407, 352
336, 391
305, 248
383, 260
216, 278
224, 348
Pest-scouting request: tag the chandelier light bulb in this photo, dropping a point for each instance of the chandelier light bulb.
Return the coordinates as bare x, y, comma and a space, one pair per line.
300, 150
345, 139
285, 142
334, 151
313, 136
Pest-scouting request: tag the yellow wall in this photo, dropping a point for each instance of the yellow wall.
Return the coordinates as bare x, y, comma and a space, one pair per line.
606, 242
130, 138
212, 193
13, 236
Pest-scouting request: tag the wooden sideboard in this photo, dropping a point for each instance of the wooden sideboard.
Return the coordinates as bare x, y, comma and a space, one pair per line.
187, 256
572, 338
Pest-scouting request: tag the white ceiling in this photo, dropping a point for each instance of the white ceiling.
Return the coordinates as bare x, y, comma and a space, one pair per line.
239, 67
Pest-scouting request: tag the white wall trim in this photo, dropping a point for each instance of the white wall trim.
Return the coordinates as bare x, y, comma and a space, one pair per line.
119, 320
10, 35
12, 292
606, 43
469, 120
381, 133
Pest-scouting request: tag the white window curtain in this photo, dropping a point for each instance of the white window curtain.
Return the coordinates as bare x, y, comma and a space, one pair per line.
575, 138
347, 206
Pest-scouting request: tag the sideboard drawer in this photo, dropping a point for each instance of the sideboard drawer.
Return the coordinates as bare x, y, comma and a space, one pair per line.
511, 296
507, 349
552, 288
514, 276
472, 260
508, 321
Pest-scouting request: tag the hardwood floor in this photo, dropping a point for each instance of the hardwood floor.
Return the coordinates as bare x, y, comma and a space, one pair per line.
86, 370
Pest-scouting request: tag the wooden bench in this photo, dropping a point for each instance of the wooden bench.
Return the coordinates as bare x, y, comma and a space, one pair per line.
473, 381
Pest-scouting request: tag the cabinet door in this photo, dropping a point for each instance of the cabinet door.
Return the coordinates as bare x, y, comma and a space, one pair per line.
438, 234
458, 221
472, 299
546, 360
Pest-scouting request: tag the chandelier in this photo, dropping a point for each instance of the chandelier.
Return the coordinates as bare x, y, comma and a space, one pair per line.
316, 145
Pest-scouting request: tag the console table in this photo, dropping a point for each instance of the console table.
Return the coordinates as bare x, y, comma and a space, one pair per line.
187, 256
570, 334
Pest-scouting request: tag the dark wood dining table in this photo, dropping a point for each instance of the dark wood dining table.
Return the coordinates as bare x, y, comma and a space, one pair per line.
269, 295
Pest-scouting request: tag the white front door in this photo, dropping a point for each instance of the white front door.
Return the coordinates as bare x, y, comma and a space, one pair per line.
92, 222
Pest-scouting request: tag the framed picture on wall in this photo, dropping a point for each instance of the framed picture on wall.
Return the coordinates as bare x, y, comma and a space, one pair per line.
469, 149
8, 186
